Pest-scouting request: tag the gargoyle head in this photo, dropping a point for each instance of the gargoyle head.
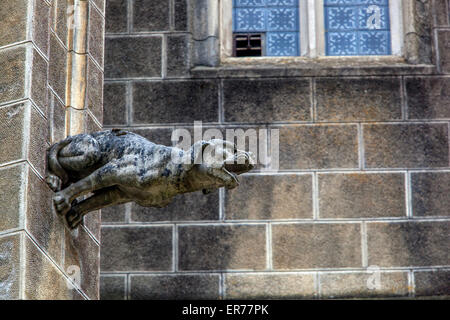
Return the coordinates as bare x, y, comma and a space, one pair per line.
217, 163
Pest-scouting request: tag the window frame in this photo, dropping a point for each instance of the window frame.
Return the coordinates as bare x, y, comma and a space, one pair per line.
312, 32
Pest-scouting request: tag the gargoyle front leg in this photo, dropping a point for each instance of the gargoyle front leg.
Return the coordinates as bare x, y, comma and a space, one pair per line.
104, 177
102, 198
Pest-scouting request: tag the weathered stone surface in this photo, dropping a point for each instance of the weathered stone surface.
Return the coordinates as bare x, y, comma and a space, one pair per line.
90, 124
96, 35
361, 195
441, 9
57, 68
41, 16
39, 141
175, 102
174, 287
12, 185
430, 193
41, 220
340, 99
116, 16
58, 119
12, 81
39, 92
12, 132
151, 15
100, 4
408, 244
92, 223
114, 104
10, 265
406, 145
94, 90
299, 246
224, 247
268, 100
112, 287
43, 281
113, 214
428, 97
193, 206
136, 248
181, 15
318, 147
432, 283
443, 38
83, 253
13, 22
60, 20
270, 197
177, 55
351, 285
269, 286
133, 57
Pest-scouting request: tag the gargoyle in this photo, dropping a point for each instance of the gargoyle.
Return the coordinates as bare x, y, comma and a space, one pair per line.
116, 167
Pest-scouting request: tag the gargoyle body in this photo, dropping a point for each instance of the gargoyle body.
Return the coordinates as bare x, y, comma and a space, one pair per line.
115, 167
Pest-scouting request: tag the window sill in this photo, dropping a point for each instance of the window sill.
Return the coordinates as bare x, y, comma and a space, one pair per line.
307, 67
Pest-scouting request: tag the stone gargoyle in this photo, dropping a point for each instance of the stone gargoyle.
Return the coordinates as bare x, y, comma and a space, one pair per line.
116, 166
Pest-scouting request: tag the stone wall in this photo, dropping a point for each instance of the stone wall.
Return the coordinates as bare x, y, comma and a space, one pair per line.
39, 258
364, 178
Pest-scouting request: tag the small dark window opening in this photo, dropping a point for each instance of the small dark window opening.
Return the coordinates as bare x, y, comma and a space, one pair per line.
248, 44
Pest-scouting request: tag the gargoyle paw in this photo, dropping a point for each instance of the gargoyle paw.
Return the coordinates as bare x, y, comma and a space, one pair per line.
53, 182
73, 219
61, 203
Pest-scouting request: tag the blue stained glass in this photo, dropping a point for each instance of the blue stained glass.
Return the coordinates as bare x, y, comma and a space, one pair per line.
278, 19
357, 27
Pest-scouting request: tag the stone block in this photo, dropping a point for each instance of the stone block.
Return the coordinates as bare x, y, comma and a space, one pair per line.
270, 197
151, 15
306, 246
57, 68
432, 283
443, 40
319, 147
116, 16
363, 285
339, 99
174, 287
175, 102
177, 55
428, 97
100, 4
60, 20
83, 253
96, 35
269, 286
115, 104
224, 247
133, 57
114, 214
268, 100
94, 90
430, 193
42, 222
41, 17
39, 141
136, 248
10, 267
12, 193
184, 207
442, 14
12, 82
13, 22
92, 223
112, 287
58, 119
43, 280
12, 132
361, 195
406, 145
408, 244
39, 92
181, 15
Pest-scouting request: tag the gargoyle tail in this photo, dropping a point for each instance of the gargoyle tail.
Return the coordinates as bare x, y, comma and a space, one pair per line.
53, 163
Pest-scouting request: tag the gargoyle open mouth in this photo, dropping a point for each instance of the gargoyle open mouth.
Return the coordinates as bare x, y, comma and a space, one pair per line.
241, 163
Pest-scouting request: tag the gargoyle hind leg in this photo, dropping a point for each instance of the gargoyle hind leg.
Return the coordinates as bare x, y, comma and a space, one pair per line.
104, 177
102, 198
